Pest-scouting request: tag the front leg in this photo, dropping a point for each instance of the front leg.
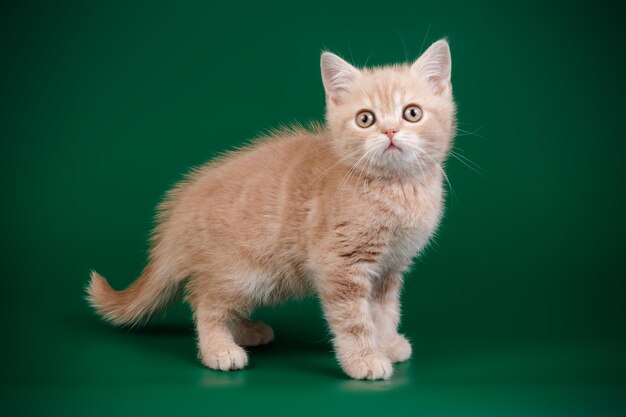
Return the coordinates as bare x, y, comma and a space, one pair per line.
345, 296
385, 305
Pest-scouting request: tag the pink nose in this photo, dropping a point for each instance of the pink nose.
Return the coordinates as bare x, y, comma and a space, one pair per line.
390, 132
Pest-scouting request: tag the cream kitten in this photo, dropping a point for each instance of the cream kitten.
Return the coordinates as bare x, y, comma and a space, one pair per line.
339, 211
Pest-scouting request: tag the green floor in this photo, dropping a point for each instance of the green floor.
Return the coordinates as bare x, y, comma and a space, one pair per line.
516, 309
154, 371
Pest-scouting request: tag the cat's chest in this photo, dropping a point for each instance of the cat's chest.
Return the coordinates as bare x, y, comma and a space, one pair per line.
414, 219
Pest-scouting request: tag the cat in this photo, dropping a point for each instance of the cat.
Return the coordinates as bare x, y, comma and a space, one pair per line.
339, 210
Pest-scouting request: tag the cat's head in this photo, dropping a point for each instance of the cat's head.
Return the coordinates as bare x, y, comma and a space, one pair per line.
393, 120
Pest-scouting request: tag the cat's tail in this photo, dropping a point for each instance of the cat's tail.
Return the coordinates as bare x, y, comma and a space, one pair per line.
153, 290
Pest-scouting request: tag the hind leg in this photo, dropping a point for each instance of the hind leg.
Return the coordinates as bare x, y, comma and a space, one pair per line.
252, 333
215, 323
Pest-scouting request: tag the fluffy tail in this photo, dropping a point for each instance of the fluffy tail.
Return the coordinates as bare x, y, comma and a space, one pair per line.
134, 305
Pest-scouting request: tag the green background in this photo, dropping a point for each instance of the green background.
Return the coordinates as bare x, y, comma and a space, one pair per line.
516, 309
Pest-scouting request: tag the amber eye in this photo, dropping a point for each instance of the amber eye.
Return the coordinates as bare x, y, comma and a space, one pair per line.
412, 113
365, 119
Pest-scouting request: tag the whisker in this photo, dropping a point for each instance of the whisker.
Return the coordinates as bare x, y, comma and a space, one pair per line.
459, 156
443, 172
365, 171
346, 177
406, 54
340, 160
349, 173
425, 37
468, 133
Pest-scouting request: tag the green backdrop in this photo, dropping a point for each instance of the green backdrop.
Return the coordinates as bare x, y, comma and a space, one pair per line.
516, 309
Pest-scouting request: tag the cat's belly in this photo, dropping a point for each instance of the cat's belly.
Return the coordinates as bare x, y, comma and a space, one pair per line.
265, 285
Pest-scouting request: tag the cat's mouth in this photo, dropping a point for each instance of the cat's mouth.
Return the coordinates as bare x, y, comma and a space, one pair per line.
393, 147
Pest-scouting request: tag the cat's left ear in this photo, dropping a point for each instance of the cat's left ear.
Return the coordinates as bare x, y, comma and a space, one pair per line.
337, 76
435, 67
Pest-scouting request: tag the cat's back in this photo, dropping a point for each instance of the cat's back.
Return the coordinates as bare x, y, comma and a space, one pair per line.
252, 178
267, 160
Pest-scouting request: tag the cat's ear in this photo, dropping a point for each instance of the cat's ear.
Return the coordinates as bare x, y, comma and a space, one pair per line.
435, 67
337, 76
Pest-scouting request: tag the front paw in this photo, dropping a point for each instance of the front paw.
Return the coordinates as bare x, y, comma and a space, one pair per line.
398, 349
373, 366
225, 358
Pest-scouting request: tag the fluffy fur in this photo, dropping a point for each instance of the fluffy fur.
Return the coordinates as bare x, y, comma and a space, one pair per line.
331, 210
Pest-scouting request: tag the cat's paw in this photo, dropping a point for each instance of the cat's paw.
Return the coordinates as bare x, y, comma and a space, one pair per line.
374, 366
254, 333
227, 358
398, 349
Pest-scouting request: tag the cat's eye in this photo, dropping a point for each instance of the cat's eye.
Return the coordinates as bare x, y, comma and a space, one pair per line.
412, 113
365, 119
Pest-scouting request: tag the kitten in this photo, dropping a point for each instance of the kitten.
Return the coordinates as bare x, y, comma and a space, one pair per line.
339, 211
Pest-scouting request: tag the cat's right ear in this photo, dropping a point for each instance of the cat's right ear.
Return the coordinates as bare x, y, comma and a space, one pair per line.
337, 76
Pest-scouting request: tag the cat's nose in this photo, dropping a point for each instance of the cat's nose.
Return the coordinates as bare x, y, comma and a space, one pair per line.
390, 132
